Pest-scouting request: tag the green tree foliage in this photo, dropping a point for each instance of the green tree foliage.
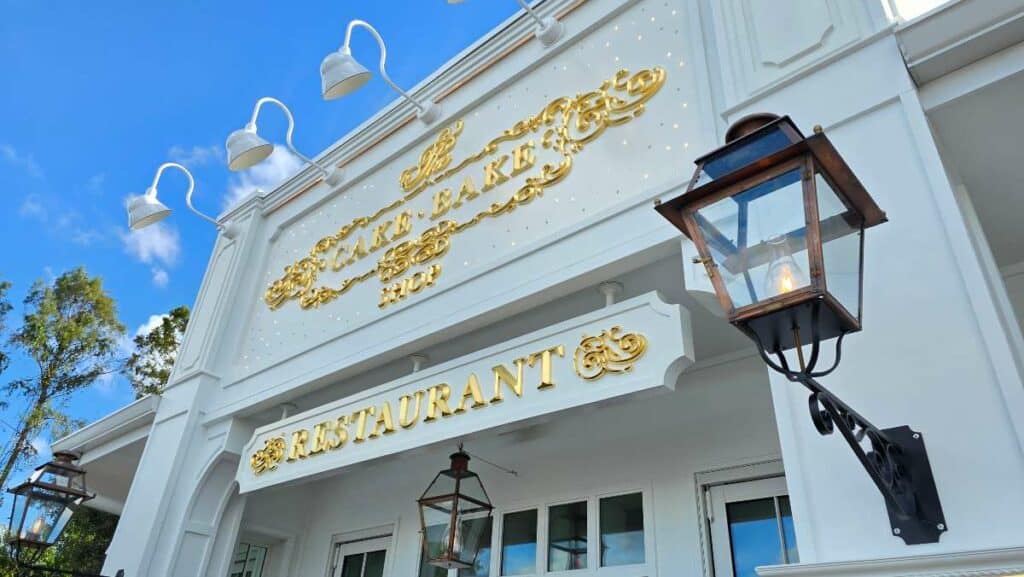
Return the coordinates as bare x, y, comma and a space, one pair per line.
70, 330
5, 307
150, 365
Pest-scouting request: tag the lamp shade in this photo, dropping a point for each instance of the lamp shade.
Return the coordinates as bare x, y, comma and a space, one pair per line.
340, 74
43, 505
246, 148
145, 210
778, 221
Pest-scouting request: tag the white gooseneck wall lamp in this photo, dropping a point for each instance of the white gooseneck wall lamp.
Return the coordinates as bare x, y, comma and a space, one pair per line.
147, 209
549, 30
247, 148
341, 74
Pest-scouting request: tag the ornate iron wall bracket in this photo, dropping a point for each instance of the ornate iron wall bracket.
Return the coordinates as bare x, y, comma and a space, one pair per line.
895, 458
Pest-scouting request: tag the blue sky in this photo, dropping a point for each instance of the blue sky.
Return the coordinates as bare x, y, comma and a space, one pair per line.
96, 95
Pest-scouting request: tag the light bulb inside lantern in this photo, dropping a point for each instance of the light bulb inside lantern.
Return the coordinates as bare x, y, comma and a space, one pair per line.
783, 273
36, 531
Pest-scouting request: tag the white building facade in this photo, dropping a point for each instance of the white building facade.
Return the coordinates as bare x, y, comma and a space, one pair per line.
499, 278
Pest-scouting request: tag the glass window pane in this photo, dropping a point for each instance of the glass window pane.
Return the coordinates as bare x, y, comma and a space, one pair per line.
352, 565
480, 526
758, 239
788, 532
519, 543
567, 537
374, 564
622, 530
754, 533
840, 247
435, 541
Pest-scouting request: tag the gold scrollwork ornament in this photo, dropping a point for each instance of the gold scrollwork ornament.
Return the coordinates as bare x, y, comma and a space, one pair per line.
610, 352
267, 458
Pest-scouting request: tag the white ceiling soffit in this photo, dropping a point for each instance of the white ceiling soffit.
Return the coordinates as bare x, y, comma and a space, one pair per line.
958, 34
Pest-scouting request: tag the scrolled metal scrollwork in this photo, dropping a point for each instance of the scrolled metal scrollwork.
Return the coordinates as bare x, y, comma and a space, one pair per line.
268, 458
609, 352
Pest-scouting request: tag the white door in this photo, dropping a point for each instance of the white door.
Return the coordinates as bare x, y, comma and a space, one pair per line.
363, 558
751, 525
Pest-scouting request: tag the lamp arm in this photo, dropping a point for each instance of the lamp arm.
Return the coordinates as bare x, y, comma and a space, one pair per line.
188, 193
288, 134
532, 13
383, 58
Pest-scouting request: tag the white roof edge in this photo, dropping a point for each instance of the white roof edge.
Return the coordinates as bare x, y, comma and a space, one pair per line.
127, 418
396, 114
958, 33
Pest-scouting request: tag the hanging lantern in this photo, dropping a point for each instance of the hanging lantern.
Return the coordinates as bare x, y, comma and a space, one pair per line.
778, 220
454, 515
43, 505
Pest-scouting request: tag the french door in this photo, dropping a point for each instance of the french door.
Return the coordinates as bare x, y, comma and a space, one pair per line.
751, 525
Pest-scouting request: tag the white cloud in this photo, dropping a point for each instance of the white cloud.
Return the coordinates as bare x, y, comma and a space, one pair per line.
106, 383
151, 323
96, 181
157, 243
24, 161
265, 176
41, 447
160, 277
32, 207
197, 155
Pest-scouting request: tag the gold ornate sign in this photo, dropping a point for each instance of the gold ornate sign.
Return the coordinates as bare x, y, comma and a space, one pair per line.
609, 352
564, 126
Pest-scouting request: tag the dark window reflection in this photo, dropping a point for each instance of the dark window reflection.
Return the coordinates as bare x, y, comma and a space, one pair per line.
761, 531
622, 530
567, 537
519, 543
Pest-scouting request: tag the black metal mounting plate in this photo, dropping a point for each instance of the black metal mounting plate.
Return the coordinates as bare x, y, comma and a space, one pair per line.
930, 523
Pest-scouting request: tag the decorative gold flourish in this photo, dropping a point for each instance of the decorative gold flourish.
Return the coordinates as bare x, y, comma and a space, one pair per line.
267, 458
434, 159
609, 352
565, 125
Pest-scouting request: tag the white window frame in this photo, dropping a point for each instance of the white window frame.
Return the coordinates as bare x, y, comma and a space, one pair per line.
593, 569
362, 541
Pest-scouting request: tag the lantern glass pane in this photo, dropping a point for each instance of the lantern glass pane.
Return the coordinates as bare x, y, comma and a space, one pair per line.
437, 540
474, 539
744, 152
841, 234
54, 474
46, 515
758, 239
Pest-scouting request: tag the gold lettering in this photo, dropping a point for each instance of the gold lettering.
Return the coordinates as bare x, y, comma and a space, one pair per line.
404, 419
467, 191
298, 448
503, 375
546, 379
523, 158
403, 224
361, 423
337, 263
437, 402
385, 420
472, 391
341, 432
380, 235
319, 438
358, 251
493, 175
442, 202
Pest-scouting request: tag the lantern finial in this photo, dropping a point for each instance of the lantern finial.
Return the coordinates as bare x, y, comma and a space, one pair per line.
748, 124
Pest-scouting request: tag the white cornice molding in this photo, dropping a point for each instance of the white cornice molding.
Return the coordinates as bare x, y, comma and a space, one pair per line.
982, 563
130, 417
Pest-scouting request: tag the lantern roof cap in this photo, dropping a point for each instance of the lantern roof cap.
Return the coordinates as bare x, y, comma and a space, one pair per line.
817, 145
